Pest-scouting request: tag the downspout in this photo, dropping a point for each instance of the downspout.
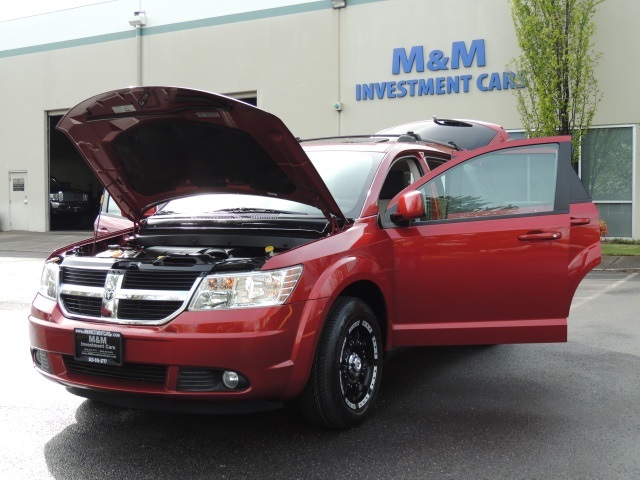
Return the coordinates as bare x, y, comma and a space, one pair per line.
139, 54
337, 106
339, 71
138, 21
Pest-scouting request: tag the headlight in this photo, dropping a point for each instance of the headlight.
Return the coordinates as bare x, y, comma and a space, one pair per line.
252, 289
49, 280
54, 197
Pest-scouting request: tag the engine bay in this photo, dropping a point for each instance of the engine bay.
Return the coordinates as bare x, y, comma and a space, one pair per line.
220, 259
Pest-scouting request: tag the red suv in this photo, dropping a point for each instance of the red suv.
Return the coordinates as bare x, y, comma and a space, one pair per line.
285, 270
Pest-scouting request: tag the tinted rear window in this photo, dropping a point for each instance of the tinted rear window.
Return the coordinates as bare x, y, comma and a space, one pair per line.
467, 138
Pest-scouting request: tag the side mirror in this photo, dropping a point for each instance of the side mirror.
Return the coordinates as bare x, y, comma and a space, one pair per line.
410, 207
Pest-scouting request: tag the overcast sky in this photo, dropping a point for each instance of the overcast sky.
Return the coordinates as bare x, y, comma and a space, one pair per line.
12, 9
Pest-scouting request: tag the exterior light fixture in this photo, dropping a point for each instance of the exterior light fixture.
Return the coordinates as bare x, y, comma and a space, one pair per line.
139, 19
338, 3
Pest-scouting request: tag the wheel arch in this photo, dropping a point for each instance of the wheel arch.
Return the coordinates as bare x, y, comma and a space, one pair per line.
370, 293
347, 367
345, 279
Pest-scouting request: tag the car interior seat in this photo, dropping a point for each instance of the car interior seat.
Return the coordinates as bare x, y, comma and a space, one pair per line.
396, 181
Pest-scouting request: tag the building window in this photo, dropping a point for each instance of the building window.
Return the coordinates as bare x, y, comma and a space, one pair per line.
517, 134
247, 97
606, 168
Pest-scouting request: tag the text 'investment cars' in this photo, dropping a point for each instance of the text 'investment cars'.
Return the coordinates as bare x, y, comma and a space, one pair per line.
279, 270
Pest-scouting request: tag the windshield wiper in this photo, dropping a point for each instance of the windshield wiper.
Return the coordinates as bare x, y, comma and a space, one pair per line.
256, 210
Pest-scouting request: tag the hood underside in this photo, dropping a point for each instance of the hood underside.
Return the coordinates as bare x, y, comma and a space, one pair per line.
148, 145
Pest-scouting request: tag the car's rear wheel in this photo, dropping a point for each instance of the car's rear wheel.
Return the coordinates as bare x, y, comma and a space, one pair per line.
347, 368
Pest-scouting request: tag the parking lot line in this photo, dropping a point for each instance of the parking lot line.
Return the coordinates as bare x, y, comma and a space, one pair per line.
597, 294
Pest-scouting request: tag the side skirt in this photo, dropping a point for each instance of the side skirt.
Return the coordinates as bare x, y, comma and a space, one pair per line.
480, 333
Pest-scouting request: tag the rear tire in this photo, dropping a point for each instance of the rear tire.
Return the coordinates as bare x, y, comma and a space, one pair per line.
347, 368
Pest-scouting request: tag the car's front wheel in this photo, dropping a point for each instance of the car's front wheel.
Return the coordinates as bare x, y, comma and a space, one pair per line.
347, 369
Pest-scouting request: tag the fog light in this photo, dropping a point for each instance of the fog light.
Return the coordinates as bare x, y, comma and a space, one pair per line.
41, 359
230, 379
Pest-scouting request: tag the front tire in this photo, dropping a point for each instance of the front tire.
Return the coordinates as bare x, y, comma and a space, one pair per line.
347, 368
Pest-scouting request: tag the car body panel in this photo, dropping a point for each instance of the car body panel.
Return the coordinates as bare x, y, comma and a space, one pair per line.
110, 219
148, 145
524, 260
498, 285
585, 250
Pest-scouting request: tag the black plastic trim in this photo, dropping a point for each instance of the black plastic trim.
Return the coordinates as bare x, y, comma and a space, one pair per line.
160, 404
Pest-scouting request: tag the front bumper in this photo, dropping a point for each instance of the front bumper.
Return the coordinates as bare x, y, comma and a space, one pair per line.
271, 347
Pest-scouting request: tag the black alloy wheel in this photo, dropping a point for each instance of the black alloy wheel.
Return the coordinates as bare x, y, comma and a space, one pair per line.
347, 368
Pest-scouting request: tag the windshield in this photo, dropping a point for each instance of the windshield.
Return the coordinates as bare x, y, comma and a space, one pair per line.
348, 175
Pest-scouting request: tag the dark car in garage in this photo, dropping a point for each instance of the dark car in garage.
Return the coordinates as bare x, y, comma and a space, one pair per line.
68, 205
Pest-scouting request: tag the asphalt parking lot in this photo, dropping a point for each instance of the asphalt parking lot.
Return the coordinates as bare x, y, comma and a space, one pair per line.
509, 411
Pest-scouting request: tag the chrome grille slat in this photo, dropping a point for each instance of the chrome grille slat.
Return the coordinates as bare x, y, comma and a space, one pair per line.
146, 310
83, 276
159, 280
81, 305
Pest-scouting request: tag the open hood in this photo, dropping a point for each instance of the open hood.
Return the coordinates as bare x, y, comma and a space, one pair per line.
148, 145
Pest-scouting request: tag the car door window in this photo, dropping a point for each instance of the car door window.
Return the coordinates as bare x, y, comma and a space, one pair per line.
515, 181
402, 173
435, 162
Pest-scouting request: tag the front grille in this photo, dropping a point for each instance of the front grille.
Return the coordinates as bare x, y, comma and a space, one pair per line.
126, 291
129, 371
83, 276
159, 280
70, 196
81, 305
199, 380
147, 309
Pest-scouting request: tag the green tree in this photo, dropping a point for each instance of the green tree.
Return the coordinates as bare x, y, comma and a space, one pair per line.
556, 66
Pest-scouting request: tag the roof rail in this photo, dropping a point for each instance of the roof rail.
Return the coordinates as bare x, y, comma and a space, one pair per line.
409, 137
414, 137
383, 138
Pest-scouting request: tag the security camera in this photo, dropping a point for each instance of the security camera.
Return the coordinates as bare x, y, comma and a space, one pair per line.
139, 19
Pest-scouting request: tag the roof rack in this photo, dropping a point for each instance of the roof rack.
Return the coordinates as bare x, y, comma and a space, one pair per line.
345, 137
408, 137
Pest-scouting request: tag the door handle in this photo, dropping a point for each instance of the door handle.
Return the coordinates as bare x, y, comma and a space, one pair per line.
526, 237
580, 221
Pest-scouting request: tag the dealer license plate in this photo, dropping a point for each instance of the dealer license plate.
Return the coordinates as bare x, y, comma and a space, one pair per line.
98, 346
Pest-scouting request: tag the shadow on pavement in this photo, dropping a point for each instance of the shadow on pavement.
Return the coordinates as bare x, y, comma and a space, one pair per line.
427, 400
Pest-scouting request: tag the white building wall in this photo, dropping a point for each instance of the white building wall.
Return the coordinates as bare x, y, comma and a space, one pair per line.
300, 57
617, 37
291, 61
369, 35
40, 83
